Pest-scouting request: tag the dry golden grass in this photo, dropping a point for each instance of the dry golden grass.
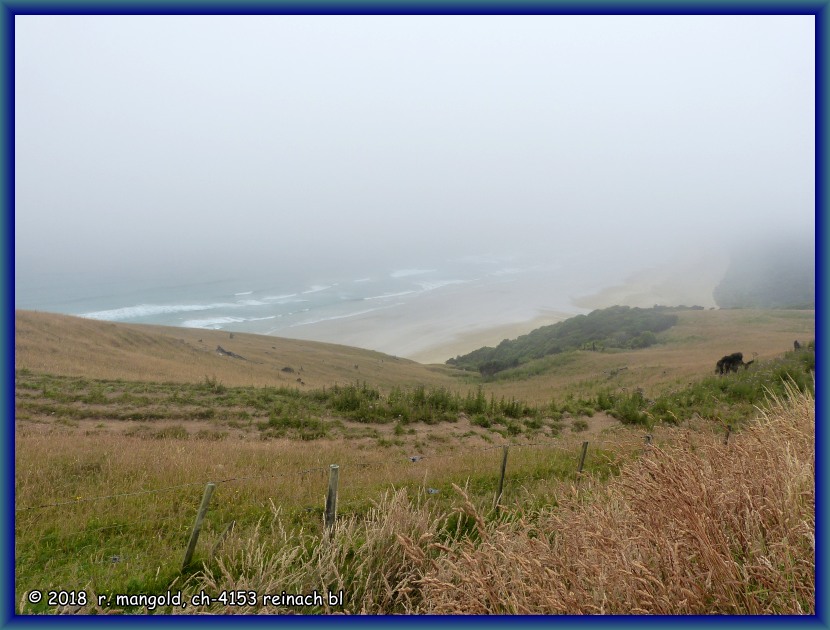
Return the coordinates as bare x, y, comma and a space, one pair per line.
64, 345
362, 558
687, 351
697, 527
112, 495
692, 527
72, 346
717, 529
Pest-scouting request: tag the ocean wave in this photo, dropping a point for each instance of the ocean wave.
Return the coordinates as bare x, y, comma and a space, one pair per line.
404, 273
388, 295
218, 322
431, 286
316, 288
334, 317
512, 271
148, 310
211, 323
274, 298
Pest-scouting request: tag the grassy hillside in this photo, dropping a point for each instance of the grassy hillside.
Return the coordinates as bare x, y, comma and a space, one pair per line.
72, 346
685, 353
614, 327
146, 416
691, 525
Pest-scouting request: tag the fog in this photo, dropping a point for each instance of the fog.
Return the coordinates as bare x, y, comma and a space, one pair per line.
158, 147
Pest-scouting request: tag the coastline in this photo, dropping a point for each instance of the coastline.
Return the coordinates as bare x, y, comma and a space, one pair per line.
688, 283
426, 341
465, 342
431, 318
449, 321
458, 319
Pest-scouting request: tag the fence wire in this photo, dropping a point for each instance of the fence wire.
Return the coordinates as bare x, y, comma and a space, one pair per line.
411, 460
406, 463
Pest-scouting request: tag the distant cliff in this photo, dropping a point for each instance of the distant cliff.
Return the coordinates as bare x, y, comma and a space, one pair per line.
770, 275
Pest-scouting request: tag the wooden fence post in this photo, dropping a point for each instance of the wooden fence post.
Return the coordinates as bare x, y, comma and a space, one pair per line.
197, 525
582, 457
331, 497
501, 477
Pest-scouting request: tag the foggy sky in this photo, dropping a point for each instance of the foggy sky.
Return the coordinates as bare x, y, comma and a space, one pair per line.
175, 144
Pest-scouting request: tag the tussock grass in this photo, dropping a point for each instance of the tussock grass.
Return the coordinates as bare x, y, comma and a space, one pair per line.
718, 529
696, 527
361, 556
133, 539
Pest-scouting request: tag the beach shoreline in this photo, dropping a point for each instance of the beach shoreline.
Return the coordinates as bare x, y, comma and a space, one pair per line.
460, 320
467, 341
424, 314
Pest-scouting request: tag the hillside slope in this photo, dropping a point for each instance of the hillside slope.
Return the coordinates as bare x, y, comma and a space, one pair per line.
73, 346
613, 327
778, 273
686, 352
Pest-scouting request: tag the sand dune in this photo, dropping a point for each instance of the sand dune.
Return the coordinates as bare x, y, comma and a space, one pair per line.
688, 283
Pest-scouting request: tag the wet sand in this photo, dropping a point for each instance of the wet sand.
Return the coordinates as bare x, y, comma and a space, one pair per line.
459, 319
448, 322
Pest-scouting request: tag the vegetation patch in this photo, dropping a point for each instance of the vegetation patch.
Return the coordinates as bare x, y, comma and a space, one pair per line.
614, 327
420, 534
685, 529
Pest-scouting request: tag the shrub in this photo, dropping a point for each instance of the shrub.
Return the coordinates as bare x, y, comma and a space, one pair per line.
630, 409
579, 425
174, 432
481, 420
212, 384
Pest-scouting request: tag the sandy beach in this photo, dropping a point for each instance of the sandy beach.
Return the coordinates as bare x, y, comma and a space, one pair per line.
442, 348
425, 341
459, 319
647, 288
446, 322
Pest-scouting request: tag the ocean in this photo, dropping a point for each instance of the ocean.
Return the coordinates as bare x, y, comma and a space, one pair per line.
400, 310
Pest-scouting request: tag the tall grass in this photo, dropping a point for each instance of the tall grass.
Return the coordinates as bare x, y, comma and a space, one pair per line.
705, 528
730, 399
111, 513
720, 529
279, 408
363, 557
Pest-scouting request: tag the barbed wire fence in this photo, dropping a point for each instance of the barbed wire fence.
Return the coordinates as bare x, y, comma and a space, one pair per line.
481, 467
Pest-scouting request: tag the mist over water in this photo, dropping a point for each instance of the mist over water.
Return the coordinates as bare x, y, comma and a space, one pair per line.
378, 180
422, 308
287, 303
